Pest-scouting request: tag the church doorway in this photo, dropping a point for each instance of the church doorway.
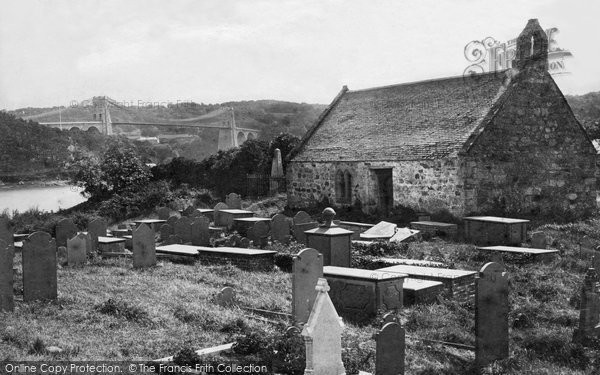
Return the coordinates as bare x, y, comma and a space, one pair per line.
385, 190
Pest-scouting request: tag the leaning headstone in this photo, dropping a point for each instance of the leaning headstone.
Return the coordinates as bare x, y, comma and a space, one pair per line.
39, 267
172, 220
163, 213
188, 211
226, 297
323, 336
97, 228
390, 350
538, 240
218, 218
589, 308
144, 248
234, 201
306, 271
200, 231
77, 250
491, 314
280, 228
6, 278
404, 235
7, 235
183, 228
65, 229
166, 230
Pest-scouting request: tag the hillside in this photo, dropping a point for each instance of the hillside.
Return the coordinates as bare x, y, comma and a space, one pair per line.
587, 110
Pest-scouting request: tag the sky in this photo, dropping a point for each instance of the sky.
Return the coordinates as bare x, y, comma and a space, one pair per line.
56, 52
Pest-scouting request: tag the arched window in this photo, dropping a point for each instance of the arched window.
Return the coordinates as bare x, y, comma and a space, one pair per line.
347, 187
343, 187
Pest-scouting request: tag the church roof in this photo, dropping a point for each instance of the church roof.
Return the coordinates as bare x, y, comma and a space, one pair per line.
411, 121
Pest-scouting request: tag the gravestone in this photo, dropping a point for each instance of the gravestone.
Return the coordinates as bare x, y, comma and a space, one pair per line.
245, 242
404, 235
183, 228
61, 255
538, 240
77, 250
39, 267
322, 336
144, 251
390, 317
163, 213
6, 277
491, 314
301, 223
233, 201
381, 230
331, 241
65, 229
302, 217
280, 228
259, 233
306, 271
7, 235
172, 220
390, 349
96, 228
226, 297
218, 217
173, 240
276, 172
200, 231
166, 230
589, 308
188, 211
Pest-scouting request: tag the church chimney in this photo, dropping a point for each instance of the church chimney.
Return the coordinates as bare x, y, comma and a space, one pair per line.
532, 48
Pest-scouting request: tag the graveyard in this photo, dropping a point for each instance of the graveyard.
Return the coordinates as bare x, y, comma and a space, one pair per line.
228, 286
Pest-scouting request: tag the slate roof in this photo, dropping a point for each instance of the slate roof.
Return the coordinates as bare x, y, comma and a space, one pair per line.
412, 121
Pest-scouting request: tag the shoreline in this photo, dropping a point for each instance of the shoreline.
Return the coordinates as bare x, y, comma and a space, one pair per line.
33, 184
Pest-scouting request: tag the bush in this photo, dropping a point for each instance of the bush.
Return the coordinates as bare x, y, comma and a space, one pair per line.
133, 204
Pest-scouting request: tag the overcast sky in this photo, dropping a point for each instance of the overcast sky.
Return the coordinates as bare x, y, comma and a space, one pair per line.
53, 52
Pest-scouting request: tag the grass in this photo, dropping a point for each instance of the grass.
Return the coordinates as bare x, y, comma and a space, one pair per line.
108, 310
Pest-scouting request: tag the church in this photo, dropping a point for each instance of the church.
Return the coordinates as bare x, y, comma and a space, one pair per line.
504, 141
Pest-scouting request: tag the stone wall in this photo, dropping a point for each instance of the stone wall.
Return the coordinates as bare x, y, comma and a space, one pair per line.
533, 157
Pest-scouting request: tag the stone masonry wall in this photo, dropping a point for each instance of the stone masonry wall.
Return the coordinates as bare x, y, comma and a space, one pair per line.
532, 157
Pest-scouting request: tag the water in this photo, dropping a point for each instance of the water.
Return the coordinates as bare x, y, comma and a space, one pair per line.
45, 198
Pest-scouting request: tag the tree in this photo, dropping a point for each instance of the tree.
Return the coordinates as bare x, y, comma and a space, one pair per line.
120, 170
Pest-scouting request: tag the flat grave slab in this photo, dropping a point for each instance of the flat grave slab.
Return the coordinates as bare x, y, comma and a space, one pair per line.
111, 244
404, 234
363, 242
21, 236
358, 294
421, 291
381, 230
248, 259
177, 249
411, 262
458, 284
355, 227
436, 228
492, 230
230, 214
243, 224
524, 251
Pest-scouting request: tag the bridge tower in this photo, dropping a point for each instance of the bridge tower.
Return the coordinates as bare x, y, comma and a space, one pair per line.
227, 136
102, 114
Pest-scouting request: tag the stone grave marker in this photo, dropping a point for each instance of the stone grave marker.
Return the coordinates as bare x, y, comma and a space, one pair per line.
306, 271
390, 317
259, 233
188, 211
166, 230
65, 229
39, 267
172, 220
234, 201
382, 230
163, 213
280, 228
6, 234
301, 223
6, 277
390, 349
491, 314
144, 248
538, 240
61, 255
96, 228
173, 240
245, 242
322, 336
589, 308
77, 250
302, 217
218, 217
200, 231
404, 235
226, 297
183, 228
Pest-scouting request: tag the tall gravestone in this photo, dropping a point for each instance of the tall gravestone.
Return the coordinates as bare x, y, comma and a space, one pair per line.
259, 233
280, 228
301, 223
39, 267
65, 229
589, 308
234, 201
166, 231
172, 220
183, 228
6, 278
276, 173
163, 213
200, 231
97, 228
390, 350
538, 240
218, 217
306, 271
491, 314
144, 248
6, 234
77, 250
323, 336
